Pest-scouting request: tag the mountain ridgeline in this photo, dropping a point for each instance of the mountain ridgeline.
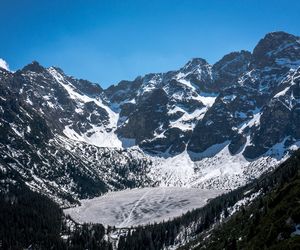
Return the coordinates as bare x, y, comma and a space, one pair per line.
201, 105
71, 139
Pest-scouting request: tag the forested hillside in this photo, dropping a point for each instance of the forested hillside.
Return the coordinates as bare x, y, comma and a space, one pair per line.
272, 221
32, 221
275, 208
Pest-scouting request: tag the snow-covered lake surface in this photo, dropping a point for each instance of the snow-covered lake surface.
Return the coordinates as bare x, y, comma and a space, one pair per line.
140, 206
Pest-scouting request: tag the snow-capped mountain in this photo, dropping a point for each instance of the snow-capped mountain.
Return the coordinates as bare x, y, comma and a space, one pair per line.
201, 105
51, 128
202, 125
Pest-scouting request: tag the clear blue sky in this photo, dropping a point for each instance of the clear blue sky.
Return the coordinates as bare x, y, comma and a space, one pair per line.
107, 41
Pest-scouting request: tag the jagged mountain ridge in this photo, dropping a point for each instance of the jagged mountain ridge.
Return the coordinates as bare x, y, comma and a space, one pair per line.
179, 109
197, 126
38, 111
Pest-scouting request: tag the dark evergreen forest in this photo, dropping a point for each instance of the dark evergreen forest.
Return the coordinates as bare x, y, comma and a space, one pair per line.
30, 220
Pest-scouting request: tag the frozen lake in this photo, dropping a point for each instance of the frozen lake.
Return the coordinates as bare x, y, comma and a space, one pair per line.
134, 207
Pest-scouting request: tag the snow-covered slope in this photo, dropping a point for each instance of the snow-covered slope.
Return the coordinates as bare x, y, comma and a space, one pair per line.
102, 136
216, 168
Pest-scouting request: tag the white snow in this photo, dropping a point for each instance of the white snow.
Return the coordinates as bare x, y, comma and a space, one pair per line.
188, 120
193, 170
70, 133
282, 93
102, 136
208, 99
140, 206
216, 167
79, 110
50, 104
245, 201
15, 129
173, 171
150, 85
75, 95
99, 137
290, 79
254, 121
4, 64
29, 101
228, 98
297, 230
180, 77
222, 165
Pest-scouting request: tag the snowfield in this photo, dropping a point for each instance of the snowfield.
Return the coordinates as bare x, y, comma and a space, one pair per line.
142, 206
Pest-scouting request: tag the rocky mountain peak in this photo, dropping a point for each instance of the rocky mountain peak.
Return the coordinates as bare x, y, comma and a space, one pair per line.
275, 47
59, 70
91, 89
194, 64
279, 37
231, 58
34, 67
227, 70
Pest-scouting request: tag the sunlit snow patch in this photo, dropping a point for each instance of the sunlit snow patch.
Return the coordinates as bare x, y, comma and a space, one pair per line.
4, 64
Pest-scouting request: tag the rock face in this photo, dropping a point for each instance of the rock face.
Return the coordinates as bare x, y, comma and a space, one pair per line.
148, 116
277, 48
236, 98
70, 137
227, 71
49, 125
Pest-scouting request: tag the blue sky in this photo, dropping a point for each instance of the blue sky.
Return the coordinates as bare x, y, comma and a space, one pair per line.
108, 41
